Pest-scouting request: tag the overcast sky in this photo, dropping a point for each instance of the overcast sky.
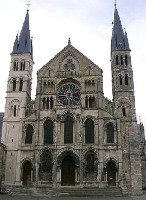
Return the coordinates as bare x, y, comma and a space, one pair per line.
89, 25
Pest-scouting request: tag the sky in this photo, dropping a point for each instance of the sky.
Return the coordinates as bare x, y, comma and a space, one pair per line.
89, 25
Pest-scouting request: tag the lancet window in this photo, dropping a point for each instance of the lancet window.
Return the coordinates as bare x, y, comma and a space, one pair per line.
89, 131
110, 133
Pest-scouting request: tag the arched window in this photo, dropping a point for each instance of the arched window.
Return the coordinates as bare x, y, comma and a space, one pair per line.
90, 163
45, 168
49, 84
14, 84
45, 83
117, 59
48, 132
89, 131
121, 60
51, 103
15, 65
91, 102
52, 86
29, 134
86, 102
68, 129
47, 106
14, 108
109, 133
123, 111
120, 79
89, 85
22, 65
126, 60
44, 102
15, 111
126, 79
86, 85
21, 84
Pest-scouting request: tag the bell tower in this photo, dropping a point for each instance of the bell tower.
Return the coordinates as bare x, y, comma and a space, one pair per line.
17, 98
122, 73
124, 107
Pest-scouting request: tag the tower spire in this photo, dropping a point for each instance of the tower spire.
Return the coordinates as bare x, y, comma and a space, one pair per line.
23, 42
119, 38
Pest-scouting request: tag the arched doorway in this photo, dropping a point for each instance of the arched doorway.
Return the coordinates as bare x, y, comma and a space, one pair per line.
68, 171
111, 173
27, 173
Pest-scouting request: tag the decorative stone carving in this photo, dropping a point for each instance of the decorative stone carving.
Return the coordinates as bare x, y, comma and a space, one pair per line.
69, 65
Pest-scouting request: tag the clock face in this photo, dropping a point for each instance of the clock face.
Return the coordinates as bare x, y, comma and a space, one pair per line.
69, 94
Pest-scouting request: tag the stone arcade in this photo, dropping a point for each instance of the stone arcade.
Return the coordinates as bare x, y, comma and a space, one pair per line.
71, 134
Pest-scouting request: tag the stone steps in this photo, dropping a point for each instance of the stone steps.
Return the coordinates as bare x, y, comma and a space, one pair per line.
116, 192
66, 191
21, 191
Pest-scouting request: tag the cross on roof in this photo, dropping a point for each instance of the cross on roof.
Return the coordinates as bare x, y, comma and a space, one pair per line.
115, 3
28, 4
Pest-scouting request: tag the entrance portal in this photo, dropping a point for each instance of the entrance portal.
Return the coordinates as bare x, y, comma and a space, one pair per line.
27, 173
111, 173
68, 171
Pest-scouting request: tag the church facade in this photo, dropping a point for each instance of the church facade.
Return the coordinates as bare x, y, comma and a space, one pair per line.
71, 134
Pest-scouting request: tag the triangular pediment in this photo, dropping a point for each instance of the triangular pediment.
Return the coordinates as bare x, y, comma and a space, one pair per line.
67, 60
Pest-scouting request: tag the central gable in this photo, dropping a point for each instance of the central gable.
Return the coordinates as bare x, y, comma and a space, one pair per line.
69, 61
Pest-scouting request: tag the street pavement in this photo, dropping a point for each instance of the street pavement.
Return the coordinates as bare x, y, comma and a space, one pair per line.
20, 197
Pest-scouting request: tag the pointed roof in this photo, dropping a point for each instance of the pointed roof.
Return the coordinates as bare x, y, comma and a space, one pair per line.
16, 44
23, 43
119, 37
69, 50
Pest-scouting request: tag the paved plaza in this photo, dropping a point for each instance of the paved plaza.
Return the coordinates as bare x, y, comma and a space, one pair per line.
20, 197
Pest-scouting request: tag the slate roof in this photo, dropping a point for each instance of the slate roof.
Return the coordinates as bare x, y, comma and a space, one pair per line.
1, 122
23, 42
119, 37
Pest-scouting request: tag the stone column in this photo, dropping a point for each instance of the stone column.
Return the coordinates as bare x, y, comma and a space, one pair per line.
81, 156
81, 167
83, 101
37, 172
40, 135
54, 171
99, 173
106, 176
96, 133
58, 129
78, 130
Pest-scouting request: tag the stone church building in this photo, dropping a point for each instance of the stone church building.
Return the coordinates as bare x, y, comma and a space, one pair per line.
71, 134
